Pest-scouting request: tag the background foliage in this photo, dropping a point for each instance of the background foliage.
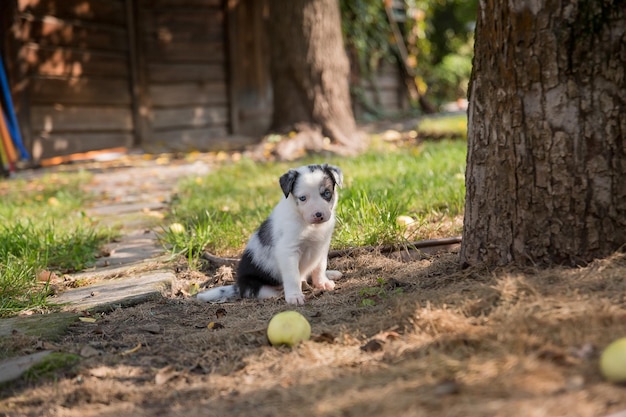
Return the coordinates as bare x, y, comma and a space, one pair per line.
439, 36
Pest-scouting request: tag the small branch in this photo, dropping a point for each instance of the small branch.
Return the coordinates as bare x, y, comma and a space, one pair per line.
219, 261
421, 244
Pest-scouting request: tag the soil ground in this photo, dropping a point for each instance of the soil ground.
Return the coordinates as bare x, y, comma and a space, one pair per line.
417, 337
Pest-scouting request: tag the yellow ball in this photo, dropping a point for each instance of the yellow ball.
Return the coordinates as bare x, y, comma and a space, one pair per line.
177, 228
613, 361
288, 328
404, 221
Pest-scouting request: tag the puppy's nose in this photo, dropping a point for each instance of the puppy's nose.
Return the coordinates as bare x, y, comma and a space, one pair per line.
318, 214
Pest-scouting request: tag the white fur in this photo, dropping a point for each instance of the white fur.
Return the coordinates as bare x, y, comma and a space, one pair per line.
301, 227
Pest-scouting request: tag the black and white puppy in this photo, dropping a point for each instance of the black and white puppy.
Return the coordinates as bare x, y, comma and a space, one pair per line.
292, 244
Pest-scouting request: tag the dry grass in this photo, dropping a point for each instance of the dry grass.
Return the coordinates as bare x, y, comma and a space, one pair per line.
432, 340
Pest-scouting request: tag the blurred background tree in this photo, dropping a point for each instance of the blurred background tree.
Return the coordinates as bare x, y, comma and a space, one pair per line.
438, 36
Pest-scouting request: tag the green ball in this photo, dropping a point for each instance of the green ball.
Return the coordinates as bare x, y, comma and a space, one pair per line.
613, 361
288, 328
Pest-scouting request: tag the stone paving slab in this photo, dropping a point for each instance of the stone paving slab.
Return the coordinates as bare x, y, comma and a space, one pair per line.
45, 326
136, 246
114, 293
14, 368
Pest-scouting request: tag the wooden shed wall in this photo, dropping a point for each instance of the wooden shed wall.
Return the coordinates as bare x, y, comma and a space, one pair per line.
384, 94
71, 74
163, 74
184, 95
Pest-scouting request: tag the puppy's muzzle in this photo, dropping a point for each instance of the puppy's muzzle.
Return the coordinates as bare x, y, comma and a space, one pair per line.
319, 217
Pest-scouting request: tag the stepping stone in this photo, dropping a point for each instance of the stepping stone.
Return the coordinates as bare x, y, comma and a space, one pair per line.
13, 368
44, 326
110, 294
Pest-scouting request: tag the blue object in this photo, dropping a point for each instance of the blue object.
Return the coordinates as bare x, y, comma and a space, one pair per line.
14, 129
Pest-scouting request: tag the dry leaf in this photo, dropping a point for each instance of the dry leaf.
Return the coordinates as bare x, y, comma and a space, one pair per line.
131, 351
87, 319
100, 372
324, 338
45, 276
164, 375
373, 345
215, 325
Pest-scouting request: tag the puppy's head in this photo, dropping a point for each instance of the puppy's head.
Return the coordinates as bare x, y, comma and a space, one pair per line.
314, 190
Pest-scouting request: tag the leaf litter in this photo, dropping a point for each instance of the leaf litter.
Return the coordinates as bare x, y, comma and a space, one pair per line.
454, 342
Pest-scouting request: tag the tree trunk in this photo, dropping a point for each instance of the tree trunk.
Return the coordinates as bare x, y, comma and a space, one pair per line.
310, 70
546, 165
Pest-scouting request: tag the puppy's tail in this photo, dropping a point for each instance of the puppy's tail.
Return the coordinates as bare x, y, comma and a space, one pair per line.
220, 294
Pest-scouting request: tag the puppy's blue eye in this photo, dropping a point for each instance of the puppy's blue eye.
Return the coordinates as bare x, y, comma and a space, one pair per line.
302, 198
327, 194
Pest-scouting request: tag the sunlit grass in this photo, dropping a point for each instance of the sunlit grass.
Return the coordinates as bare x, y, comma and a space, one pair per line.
424, 182
42, 228
443, 126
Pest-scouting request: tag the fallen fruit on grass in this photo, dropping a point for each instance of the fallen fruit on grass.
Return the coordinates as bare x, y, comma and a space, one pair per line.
404, 221
613, 361
177, 228
288, 328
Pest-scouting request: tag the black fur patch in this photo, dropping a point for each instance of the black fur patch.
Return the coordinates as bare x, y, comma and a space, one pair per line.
265, 233
288, 181
250, 278
333, 173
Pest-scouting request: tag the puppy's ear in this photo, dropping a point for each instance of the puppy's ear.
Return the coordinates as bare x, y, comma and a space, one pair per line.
335, 173
287, 181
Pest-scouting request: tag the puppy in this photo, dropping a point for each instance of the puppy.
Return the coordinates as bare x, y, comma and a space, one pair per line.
292, 243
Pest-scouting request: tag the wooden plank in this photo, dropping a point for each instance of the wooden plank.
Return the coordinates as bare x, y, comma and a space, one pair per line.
207, 52
199, 138
248, 60
182, 34
80, 91
137, 74
184, 18
175, 72
66, 62
107, 11
181, 117
54, 32
54, 119
160, 4
217, 143
188, 94
68, 143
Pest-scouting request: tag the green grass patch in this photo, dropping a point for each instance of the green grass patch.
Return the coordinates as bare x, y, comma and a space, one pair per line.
370, 296
52, 365
42, 227
454, 125
222, 209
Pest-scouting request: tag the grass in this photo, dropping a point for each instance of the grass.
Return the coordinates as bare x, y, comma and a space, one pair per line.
43, 228
425, 182
443, 126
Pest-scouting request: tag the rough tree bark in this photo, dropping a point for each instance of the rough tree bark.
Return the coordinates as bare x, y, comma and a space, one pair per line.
546, 166
310, 71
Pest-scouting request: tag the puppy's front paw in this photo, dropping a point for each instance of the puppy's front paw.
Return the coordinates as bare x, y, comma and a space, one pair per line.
297, 299
325, 284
